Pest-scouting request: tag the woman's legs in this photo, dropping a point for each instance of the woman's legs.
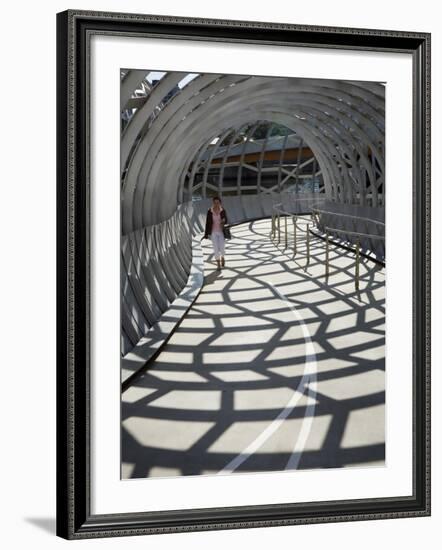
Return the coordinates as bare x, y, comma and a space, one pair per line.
218, 248
221, 247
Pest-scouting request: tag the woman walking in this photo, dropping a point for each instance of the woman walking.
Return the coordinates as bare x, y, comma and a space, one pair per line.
216, 220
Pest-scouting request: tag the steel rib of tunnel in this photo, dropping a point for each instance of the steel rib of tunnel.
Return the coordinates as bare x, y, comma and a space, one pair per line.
183, 126
173, 136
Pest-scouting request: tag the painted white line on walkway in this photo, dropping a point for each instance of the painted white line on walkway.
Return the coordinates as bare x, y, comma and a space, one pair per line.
307, 383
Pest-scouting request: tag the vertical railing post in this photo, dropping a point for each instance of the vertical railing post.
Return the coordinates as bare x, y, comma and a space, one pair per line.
316, 219
308, 243
279, 227
272, 231
285, 232
357, 265
326, 255
294, 236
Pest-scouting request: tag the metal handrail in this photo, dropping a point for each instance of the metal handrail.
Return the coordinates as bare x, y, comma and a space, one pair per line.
357, 250
279, 208
345, 232
285, 213
276, 226
360, 218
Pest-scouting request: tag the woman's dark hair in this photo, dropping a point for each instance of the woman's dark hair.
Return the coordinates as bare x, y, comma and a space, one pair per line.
216, 199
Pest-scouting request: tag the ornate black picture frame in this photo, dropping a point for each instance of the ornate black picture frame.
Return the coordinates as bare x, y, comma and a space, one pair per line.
74, 32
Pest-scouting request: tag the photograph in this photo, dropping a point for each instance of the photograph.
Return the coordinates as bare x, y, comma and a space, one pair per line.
252, 270
243, 271
221, 217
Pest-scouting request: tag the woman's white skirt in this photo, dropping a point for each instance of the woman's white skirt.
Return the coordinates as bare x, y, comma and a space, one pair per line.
218, 244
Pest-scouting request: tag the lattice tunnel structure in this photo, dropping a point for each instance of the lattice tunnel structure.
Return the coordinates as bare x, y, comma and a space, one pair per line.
252, 140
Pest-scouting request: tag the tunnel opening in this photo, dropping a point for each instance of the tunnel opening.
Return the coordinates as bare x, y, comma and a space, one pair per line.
259, 157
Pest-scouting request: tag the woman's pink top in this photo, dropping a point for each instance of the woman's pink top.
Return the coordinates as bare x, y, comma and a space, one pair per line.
216, 225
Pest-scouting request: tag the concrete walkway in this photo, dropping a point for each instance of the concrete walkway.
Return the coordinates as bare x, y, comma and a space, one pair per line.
272, 368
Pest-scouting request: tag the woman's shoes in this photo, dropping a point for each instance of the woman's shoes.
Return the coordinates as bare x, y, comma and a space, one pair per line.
220, 263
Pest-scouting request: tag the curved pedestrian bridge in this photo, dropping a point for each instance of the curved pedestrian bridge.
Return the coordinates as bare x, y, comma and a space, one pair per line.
274, 367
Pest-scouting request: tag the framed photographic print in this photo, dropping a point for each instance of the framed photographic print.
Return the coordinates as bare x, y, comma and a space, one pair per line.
243, 274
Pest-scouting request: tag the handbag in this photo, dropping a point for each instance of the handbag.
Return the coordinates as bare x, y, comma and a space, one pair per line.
226, 232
